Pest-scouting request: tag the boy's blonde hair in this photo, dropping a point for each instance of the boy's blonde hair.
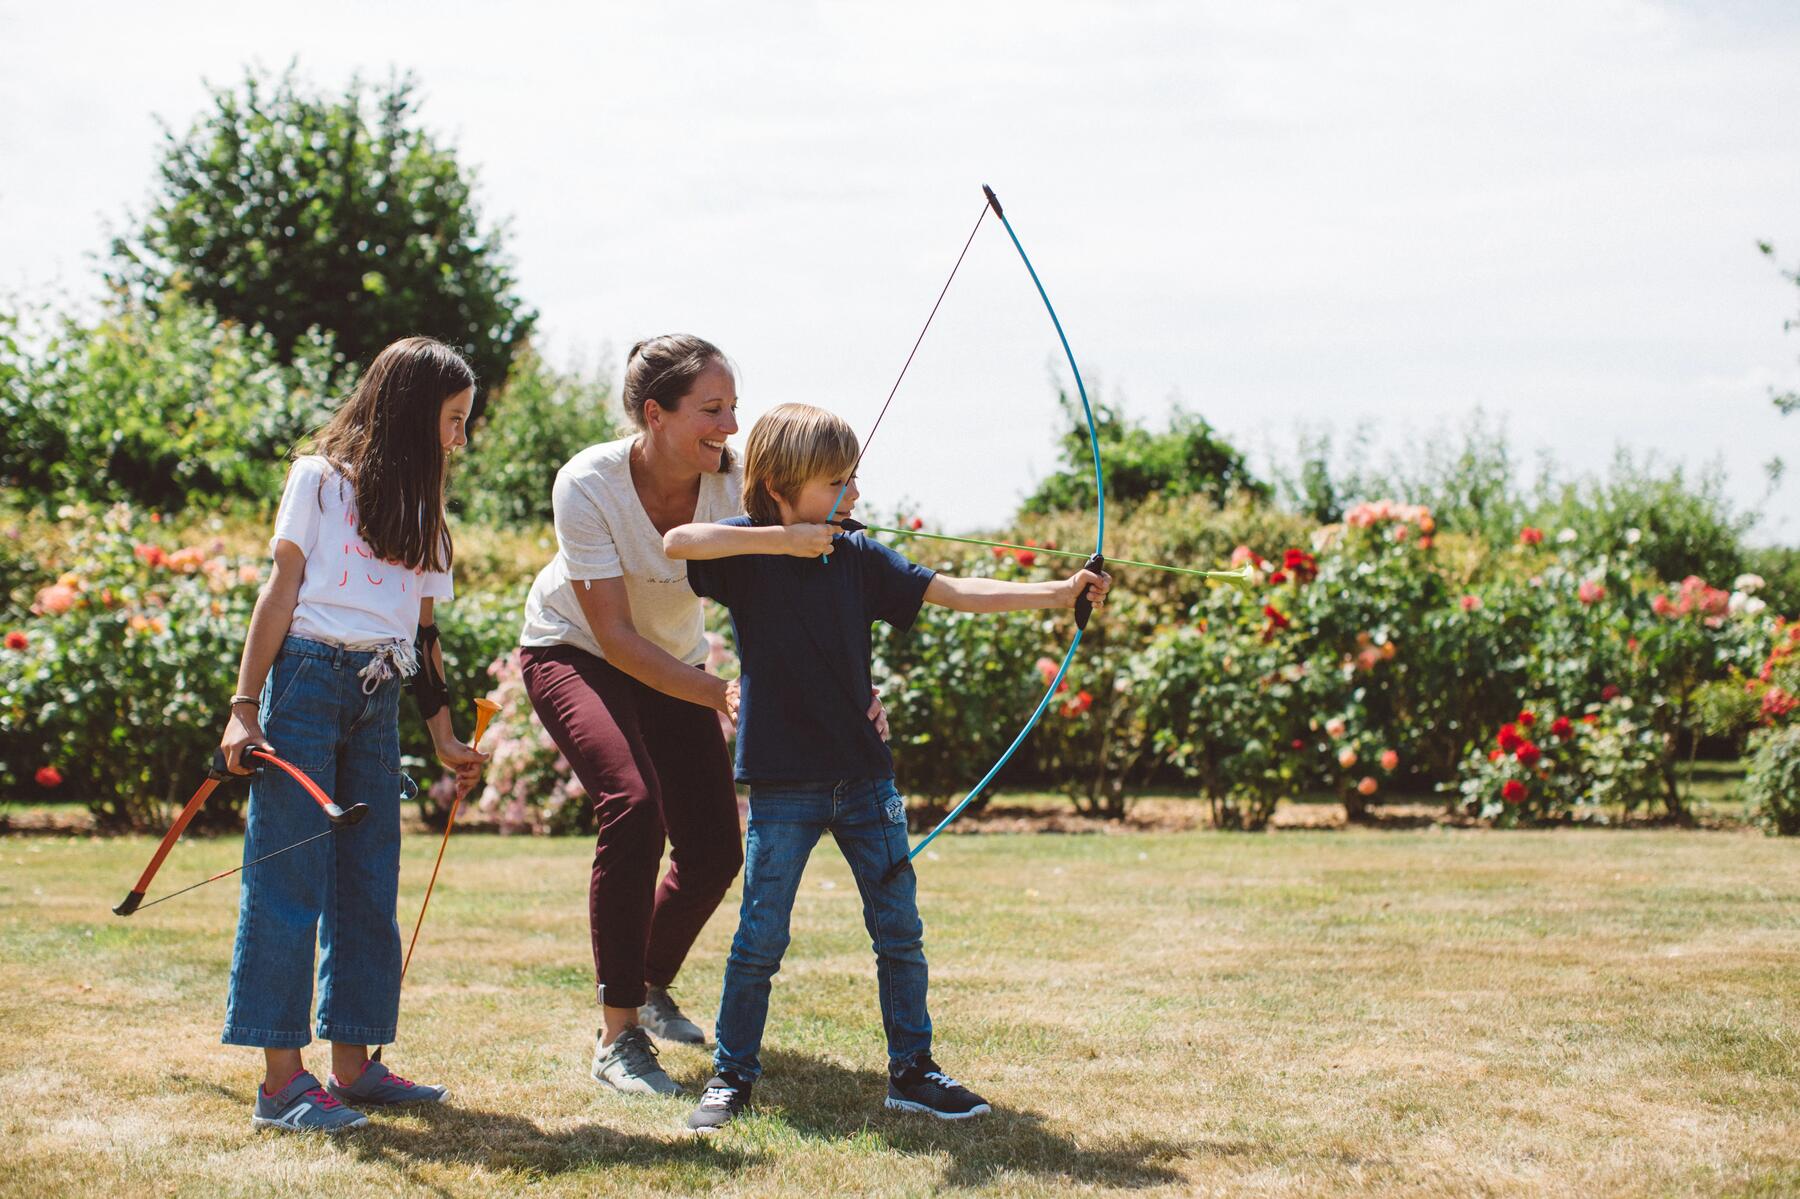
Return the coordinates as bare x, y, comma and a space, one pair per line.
792, 445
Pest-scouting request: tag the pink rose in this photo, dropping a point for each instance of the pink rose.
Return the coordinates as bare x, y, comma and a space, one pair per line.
1346, 757
1366, 787
1590, 592
1389, 759
1471, 603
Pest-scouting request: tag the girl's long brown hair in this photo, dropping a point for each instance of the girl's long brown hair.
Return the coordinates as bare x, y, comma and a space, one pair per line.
385, 440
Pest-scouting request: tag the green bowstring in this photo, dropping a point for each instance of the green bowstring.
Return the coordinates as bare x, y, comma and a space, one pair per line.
1240, 576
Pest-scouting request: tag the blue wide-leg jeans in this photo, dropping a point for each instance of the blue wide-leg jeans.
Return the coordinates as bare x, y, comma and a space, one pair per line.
339, 891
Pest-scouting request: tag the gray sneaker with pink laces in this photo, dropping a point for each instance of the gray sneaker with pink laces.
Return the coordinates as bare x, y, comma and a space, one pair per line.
302, 1105
379, 1086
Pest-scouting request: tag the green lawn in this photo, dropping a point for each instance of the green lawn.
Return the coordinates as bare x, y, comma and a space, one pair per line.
1400, 1013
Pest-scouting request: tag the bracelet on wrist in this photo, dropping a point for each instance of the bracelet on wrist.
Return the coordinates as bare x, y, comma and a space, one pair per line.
245, 699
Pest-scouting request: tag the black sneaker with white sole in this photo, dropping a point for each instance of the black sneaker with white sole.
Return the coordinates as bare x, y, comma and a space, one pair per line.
924, 1087
726, 1096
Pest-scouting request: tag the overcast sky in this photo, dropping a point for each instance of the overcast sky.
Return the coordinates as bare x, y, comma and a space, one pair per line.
1278, 214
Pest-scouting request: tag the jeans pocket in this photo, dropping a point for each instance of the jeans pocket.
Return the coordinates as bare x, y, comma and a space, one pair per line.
289, 669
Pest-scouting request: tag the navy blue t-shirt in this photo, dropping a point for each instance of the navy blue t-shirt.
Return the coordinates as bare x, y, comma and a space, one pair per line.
802, 629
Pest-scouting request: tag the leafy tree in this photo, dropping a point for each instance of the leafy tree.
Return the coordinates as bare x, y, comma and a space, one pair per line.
1187, 459
293, 210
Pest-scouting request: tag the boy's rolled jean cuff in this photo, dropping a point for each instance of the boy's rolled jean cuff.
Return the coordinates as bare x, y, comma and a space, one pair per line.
265, 1038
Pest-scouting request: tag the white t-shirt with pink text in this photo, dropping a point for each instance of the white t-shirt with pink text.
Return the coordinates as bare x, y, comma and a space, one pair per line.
347, 596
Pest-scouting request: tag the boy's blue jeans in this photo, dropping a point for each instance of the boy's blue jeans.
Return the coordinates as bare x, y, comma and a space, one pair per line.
340, 890
867, 817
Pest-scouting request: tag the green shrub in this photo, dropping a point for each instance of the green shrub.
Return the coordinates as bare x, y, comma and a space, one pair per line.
539, 421
1772, 784
158, 407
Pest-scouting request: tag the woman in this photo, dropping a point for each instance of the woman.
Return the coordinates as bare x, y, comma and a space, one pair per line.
613, 654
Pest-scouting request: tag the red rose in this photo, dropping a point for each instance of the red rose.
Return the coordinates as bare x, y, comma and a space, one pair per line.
1609, 692
17, 640
1277, 579
1508, 738
1590, 718
1560, 727
49, 776
915, 523
1079, 703
1495, 755
1275, 616
1026, 558
1299, 744
1528, 718
1531, 536
1513, 791
1528, 754
999, 551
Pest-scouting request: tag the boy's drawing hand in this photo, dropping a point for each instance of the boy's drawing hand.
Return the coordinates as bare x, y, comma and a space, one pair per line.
1096, 586
808, 541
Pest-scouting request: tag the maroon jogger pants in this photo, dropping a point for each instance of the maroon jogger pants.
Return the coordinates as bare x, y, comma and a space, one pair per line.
653, 765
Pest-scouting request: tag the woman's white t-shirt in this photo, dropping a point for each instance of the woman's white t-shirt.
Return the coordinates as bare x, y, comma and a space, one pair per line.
347, 595
603, 532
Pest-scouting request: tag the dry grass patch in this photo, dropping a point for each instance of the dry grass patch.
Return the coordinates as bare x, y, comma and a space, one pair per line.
1396, 1013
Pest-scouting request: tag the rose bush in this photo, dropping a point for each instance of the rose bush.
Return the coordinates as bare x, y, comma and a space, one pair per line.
115, 673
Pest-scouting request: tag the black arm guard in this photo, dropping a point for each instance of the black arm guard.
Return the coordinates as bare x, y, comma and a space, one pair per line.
428, 688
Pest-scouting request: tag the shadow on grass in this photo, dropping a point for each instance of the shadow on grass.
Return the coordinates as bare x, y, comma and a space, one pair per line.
503, 1141
462, 1135
820, 1098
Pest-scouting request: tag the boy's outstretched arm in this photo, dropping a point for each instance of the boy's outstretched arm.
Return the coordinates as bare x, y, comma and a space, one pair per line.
998, 595
703, 541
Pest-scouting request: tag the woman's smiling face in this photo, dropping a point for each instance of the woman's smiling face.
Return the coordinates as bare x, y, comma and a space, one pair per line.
706, 415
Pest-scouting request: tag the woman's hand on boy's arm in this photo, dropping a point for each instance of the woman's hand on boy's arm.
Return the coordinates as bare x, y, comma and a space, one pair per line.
702, 541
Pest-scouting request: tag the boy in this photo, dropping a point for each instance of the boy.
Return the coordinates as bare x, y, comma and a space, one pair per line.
813, 762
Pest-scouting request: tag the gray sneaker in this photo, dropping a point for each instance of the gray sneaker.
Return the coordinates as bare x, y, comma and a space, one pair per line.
304, 1106
629, 1065
666, 1022
378, 1086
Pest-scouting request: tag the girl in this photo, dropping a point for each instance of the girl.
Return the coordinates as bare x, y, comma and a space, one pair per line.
362, 552
613, 657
